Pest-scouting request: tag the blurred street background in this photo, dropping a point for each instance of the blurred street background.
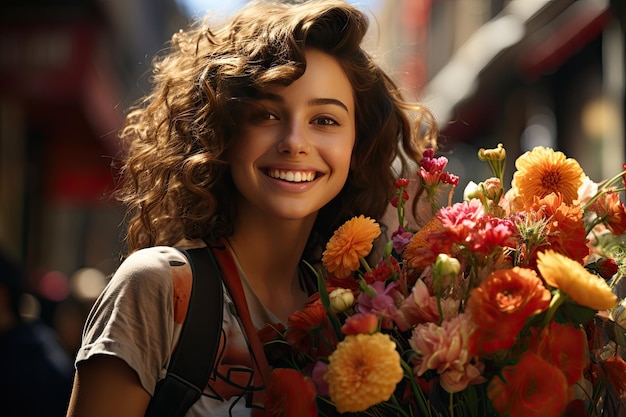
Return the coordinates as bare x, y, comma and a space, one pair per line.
517, 72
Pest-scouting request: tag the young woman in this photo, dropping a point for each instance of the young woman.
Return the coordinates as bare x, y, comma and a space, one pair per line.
258, 139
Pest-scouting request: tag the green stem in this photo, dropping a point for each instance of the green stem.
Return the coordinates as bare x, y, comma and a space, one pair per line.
558, 299
602, 190
451, 405
398, 406
597, 221
400, 207
365, 265
417, 391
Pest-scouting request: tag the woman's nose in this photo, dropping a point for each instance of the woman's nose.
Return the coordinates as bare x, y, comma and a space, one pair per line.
294, 140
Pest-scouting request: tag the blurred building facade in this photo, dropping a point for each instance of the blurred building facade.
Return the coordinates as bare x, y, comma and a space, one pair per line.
518, 72
68, 71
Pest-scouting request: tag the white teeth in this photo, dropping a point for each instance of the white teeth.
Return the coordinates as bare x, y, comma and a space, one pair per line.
292, 176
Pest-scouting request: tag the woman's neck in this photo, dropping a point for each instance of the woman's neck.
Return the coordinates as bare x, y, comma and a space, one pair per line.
269, 252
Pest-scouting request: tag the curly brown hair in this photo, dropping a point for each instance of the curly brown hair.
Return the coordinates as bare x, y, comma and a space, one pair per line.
174, 180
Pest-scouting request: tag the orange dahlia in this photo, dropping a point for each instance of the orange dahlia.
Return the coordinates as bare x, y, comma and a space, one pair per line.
543, 171
572, 278
613, 212
426, 244
566, 229
363, 371
352, 241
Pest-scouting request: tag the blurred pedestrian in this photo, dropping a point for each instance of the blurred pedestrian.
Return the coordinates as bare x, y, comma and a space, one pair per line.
35, 371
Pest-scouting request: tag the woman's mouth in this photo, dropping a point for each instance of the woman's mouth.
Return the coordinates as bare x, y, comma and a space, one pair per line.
292, 176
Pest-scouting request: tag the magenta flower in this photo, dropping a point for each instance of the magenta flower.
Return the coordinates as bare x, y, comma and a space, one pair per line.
400, 239
382, 304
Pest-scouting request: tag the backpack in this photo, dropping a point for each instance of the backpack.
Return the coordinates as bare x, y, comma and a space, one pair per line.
187, 373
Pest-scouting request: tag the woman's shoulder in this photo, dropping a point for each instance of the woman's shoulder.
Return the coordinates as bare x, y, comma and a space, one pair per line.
155, 260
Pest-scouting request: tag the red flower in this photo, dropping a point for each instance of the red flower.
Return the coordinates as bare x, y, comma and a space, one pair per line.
360, 323
530, 388
290, 393
383, 271
565, 347
501, 305
310, 331
402, 182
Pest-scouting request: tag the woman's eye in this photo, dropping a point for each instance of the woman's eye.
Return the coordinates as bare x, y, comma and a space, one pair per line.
259, 114
325, 121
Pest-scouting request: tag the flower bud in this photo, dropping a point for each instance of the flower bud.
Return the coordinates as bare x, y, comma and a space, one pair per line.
472, 190
493, 188
341, 299
446, 266
496, 154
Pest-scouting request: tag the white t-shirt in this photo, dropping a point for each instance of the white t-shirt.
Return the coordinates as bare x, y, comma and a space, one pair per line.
139, 316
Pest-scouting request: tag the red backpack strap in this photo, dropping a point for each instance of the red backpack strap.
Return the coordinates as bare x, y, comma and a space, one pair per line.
232, 280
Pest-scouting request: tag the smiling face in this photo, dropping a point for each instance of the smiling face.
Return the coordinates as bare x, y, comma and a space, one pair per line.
293, 151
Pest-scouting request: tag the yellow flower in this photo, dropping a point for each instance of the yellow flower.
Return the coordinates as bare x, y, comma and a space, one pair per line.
573, 279
363, 371
543, 171
353, 240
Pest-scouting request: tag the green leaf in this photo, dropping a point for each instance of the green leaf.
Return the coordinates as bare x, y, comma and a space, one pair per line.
574, 313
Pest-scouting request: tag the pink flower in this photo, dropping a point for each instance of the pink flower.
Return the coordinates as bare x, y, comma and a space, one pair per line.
421, 307
448, 178
445, 349
586, 190
319, 370
460, 219
490, 233
382, 304
457, 378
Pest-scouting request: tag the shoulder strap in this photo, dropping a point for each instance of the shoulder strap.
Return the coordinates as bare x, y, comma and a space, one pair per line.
262, 374
193, 358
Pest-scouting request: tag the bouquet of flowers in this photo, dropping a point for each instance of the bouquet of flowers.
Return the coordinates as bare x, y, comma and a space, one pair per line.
504, 304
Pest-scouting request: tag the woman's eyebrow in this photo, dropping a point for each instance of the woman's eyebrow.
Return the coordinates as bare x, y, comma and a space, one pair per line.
322, 101
313, 102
